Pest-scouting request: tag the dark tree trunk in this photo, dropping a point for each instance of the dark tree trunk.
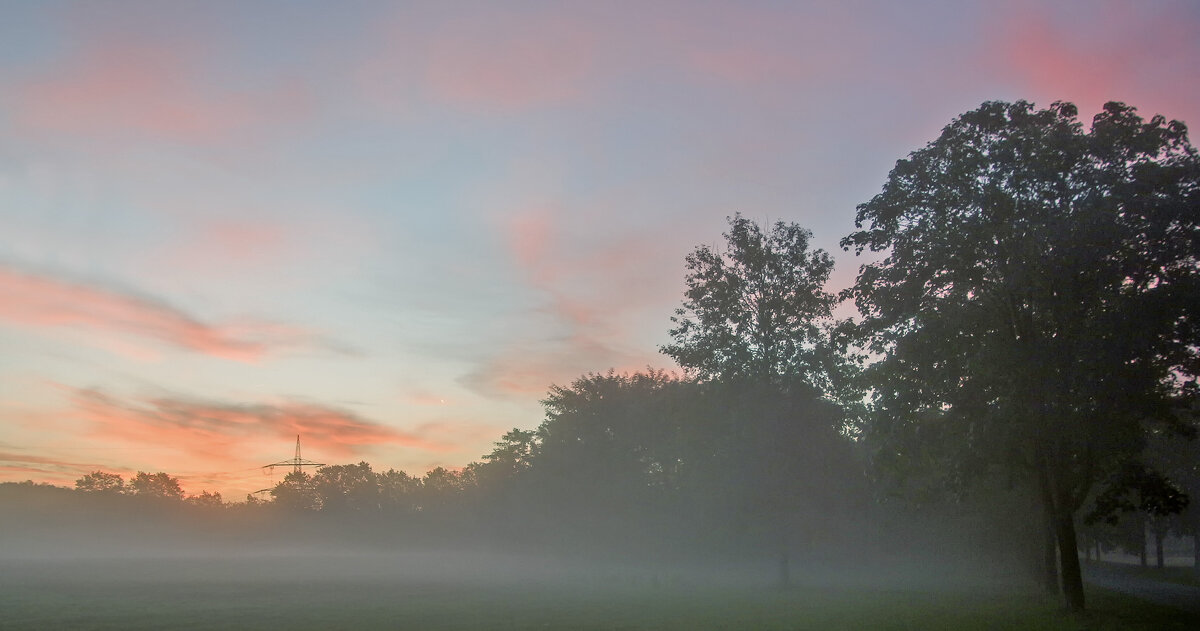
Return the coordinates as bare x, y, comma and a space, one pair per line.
1068, 556
1158, 547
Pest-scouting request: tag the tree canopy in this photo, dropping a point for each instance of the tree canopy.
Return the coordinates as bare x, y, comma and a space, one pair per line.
755, 309
156, 485
101, 482
1039, 290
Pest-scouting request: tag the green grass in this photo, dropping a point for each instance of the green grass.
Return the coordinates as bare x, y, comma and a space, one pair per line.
1112, 610
67, 602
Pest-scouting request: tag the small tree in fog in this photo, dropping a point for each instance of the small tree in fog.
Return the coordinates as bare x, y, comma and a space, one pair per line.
1149, 496
757, 325
1178, 458
156, 485
101, 482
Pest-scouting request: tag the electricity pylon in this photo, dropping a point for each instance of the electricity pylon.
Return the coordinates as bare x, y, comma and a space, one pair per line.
296, 463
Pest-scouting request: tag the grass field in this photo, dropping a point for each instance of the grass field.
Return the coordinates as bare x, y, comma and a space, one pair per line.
61, 596
1170, 574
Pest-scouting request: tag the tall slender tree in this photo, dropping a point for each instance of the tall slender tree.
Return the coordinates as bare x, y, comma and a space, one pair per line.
756, 308
756, 327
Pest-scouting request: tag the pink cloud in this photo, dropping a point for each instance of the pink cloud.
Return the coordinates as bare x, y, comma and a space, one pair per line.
513, 60
593, 296
522, 373
529, 235
114, 88
44, 461
17, 466
754, 45
229, 246
214, 430
494, 61
20, 473
509, 61
1117, 52
241, 237
47, 302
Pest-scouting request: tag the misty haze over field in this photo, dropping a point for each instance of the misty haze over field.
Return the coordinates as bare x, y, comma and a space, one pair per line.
667, 315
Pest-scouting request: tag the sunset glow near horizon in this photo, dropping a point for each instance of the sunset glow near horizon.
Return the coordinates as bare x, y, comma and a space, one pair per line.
390, 227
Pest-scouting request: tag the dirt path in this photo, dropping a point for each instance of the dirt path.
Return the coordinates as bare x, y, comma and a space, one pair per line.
1185, 597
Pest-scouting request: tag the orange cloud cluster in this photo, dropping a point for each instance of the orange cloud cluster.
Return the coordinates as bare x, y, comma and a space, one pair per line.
214, 429
44, 301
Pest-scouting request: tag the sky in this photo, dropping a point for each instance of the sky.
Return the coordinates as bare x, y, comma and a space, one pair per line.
390, 227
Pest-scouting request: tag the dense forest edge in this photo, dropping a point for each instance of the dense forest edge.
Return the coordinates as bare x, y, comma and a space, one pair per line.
1018, 395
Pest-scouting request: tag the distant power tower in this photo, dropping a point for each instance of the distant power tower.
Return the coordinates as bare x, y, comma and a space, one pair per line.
296, 463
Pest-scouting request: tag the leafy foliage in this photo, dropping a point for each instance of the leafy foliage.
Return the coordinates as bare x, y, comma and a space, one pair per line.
101, 482
296, 492
1039, 291
207, 500
756, 308
156, 485
1137, 488
347, 487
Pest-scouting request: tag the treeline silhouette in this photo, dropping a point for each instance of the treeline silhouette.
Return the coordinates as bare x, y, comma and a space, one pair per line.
649, 467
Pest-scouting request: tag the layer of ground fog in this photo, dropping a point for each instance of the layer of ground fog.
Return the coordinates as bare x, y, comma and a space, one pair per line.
456, 590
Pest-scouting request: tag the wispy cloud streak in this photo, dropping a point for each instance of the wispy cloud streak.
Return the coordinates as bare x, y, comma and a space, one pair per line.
214, 429
44, 301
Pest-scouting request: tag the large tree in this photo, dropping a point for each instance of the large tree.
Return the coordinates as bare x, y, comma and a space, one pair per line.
1038, 291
